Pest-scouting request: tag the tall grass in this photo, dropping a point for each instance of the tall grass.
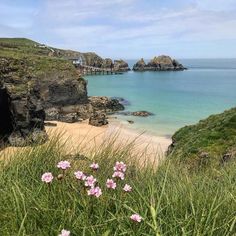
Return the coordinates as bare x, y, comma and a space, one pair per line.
170, 199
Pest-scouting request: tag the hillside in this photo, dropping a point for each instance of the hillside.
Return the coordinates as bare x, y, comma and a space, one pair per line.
211, 140
38, 82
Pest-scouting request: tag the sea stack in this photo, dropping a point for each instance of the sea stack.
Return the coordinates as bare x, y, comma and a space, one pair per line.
160, 63
121, 66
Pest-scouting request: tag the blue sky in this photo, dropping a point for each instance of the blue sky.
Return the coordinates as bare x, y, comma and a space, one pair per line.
126, 28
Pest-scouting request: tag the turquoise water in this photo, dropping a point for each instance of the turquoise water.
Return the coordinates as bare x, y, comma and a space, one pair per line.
176, 98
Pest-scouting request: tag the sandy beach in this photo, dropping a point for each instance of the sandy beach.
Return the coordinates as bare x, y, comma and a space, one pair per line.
84, 138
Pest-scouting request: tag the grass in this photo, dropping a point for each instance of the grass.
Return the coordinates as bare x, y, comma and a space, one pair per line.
215, 136
170, 199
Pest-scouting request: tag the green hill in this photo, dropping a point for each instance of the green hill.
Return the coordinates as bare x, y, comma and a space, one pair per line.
211, 140
17, 41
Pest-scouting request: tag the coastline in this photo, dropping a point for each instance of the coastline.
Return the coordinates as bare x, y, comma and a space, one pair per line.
80, 137
85, 138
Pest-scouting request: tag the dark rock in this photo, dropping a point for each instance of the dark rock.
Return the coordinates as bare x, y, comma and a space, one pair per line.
160, 63
122, 101
98, 119
130, 121
69, 118
141, 113
22, 113
140, 65
66, 92
136, 113
105, 104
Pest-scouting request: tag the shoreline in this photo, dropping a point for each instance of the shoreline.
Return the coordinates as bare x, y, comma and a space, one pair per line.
80, 137
84, 138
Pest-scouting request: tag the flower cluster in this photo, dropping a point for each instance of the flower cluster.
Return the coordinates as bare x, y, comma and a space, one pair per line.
110, 183
120, 166
136, 218
94, 166
63, 165
95, 191
64, 233
127, 188
119, 175
47, 177
90, 182
119, 170
80, 175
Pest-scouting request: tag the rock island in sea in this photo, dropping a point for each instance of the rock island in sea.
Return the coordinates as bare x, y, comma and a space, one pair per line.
160, 63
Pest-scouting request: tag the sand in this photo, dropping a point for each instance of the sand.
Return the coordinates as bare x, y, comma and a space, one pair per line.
84, 138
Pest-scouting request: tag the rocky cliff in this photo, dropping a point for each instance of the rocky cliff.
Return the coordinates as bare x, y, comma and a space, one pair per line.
160, 63
36, 85
22, 114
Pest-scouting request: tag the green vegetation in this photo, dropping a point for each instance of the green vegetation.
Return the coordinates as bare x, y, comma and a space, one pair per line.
208, 141
171, 200
27, 58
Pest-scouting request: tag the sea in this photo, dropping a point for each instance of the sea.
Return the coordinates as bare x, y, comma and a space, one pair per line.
176, 99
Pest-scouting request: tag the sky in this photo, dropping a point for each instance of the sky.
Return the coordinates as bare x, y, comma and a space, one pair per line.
126, 29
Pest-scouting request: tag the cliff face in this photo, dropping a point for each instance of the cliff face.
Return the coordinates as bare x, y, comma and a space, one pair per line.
160, 63
22, 113
37, 84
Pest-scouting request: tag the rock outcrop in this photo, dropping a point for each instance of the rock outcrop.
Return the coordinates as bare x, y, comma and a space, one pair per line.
140, 65
121, 65
160, 63
136, 113
107, 63
22, 113
36, 85
98, 119
105, 104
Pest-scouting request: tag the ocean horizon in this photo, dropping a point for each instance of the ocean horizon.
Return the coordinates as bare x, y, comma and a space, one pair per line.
176, 98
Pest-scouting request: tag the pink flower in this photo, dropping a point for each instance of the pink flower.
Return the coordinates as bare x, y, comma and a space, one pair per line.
63, 165
90, 181
120, 166
94, 166
111, 184
127, 188
47, 177
64, 233
118, 174
97, 192
136, 218
80, 175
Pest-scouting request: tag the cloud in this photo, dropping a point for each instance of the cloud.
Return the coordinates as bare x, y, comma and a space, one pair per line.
127, 27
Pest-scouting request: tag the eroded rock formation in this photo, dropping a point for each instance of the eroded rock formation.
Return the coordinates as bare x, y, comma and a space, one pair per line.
22, 113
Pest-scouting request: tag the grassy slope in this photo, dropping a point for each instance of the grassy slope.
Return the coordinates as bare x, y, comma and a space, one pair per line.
171, 200
33, 61
215, 135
